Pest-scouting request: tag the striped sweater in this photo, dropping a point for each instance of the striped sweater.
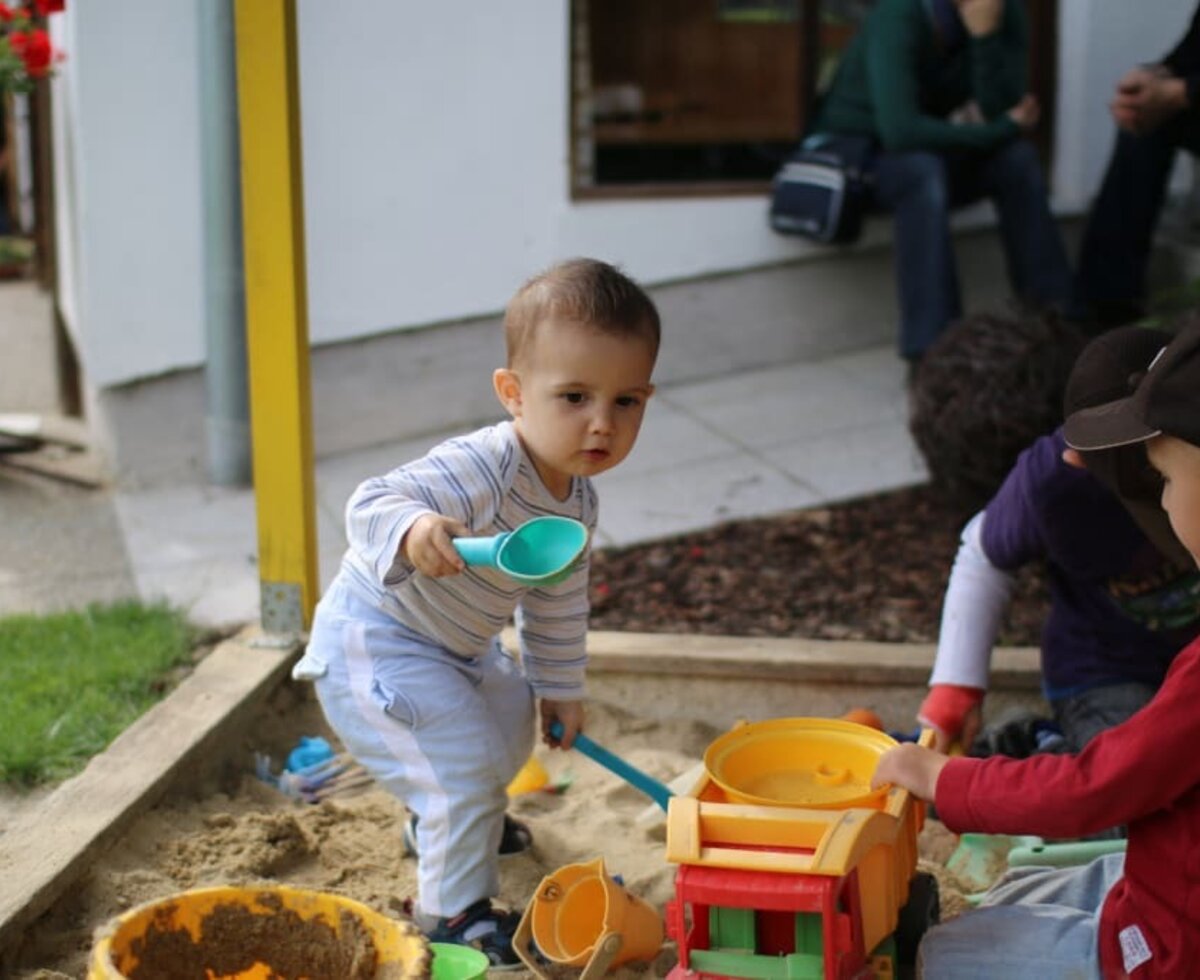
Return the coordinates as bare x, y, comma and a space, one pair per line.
485, 480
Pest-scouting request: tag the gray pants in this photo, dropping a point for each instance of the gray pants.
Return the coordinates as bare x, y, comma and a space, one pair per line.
1085, 715
1034, 922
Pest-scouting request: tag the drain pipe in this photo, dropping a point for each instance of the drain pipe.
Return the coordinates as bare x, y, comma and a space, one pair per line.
227, 418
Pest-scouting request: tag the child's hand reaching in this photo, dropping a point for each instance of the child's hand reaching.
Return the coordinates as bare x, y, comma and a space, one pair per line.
427, 545
914, 768
569, 713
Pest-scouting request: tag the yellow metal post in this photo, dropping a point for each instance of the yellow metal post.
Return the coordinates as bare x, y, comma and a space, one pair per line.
276, 310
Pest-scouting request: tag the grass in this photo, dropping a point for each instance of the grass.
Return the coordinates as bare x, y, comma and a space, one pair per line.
71, 682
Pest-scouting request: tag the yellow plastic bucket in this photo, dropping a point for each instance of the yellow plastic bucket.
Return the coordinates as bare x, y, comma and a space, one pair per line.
454, 962
810, 762
580, 910
255, 933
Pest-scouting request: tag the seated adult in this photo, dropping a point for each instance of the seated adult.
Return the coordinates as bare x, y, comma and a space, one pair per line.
941, 87
1156, 111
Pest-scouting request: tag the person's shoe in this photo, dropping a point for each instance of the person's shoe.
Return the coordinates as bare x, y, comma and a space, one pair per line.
1018, 735
514, 839
484, 928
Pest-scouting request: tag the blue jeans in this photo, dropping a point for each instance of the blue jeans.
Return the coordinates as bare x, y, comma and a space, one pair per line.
920, 188
1110, 286
1034, 922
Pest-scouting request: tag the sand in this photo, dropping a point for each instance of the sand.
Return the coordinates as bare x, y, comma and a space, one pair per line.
232, 828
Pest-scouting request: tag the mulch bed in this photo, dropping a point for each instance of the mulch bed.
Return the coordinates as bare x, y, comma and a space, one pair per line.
869, 569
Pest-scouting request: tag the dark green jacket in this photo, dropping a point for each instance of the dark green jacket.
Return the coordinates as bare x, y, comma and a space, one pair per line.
896, 83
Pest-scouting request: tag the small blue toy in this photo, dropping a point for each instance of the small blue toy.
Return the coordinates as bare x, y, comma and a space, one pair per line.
310, 751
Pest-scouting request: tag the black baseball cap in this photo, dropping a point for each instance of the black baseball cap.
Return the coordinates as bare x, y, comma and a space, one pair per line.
1166, 400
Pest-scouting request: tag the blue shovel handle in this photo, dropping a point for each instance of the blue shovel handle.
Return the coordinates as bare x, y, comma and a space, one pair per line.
659, 793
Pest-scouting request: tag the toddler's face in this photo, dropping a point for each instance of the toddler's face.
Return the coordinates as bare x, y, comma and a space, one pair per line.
1179, 464
577, 398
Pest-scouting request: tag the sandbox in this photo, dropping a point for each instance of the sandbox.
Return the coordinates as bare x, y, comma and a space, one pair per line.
658, 701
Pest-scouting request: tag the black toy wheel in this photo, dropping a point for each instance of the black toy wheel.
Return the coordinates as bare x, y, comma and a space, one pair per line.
922, 910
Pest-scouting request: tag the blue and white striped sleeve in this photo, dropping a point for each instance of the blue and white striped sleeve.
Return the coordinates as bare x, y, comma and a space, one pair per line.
552, 626
458, 478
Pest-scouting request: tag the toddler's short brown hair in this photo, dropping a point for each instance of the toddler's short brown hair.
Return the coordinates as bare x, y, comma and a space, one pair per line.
582, 291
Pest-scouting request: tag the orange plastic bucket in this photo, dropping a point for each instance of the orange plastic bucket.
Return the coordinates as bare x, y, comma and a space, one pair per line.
809, 762
251, 933
579, 910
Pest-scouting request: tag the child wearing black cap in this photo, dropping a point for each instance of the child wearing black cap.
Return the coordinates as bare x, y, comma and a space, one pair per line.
1133, 915
1122, 603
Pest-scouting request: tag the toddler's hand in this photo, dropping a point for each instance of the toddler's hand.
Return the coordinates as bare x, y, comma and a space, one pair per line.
569, 713
971, 727
428, 547
966, 733
953, 713
914, 768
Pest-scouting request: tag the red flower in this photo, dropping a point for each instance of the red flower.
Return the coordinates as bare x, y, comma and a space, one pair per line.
44, 7
6, 13
37, 53
16, 43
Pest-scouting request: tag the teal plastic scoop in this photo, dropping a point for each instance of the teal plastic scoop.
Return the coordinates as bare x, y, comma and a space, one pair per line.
542, 551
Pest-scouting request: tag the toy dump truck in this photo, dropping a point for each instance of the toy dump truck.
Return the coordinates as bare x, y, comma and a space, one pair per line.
790, 866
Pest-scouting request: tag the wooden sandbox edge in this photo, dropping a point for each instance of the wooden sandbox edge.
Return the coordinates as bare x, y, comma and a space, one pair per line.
46, 850
791, 659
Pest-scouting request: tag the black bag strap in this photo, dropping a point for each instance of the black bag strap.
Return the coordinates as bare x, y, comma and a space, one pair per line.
854, 152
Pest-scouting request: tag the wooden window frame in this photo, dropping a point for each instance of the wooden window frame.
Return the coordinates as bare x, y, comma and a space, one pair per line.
1043, 20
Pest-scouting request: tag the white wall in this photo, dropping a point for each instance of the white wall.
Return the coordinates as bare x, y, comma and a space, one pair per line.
1099, 41
436, 167
129, 92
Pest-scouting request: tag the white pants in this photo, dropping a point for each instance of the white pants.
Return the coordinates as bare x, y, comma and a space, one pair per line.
445, 734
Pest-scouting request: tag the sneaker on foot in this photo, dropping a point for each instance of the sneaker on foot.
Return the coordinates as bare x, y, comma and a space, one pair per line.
484, 928
515, 838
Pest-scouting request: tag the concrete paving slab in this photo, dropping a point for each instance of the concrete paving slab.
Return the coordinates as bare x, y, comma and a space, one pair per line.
672, 436
195, 547
854, 462
665, 502
777, 405
61, 546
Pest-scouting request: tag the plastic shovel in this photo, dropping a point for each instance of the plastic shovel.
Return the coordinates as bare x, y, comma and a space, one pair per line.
659, 793
542, 551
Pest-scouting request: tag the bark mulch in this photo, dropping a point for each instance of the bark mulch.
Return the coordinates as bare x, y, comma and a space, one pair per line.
869, 569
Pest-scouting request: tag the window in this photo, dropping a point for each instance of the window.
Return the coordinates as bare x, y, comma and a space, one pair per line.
673, 97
